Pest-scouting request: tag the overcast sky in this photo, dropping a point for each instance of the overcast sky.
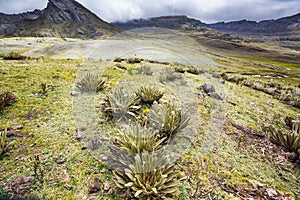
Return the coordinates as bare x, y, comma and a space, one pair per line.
206, 10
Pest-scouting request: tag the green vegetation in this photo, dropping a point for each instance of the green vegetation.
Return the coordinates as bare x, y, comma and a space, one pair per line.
91, 82
147, 179
168, 119
149, 94
14, 56
121, 104
4, 143
42, 145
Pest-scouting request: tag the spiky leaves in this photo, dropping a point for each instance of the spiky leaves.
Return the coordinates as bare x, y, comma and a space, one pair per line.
134, 140
290, 140
4, 144
149, 94
168, 119
121, 104
91, 82
138, 139
149, 178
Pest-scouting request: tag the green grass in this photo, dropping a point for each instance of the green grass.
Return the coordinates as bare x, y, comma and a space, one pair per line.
49, 131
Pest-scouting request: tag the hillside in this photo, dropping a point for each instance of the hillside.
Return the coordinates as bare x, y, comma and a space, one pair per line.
61, 18
287, 28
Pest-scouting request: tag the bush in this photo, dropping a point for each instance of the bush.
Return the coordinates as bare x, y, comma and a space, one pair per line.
145, 70
290, 140
168, 74
148, 178
168, 119
91, 82
149, 94
121, 104
14, 56
6, 99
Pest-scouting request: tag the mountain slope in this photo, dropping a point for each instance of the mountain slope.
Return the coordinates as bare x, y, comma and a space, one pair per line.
61, 18
283, 25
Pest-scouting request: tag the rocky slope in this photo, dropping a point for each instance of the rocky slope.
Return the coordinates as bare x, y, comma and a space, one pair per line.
61, 18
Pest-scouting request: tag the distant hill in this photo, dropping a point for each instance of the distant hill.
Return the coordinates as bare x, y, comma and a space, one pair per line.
61, 18
287, 25
170, 22
282, 25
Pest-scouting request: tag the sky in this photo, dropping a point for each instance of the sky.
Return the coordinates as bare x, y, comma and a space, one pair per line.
208, 11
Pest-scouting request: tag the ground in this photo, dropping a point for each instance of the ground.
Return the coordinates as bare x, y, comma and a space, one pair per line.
48, 160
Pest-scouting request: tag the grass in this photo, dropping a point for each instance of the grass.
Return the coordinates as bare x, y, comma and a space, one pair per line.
236, 162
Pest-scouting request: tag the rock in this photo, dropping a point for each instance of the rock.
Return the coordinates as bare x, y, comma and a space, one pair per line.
271, 104
207, 88
95, 186
74, 94
271, 193
201, 95
252, 104
215, 95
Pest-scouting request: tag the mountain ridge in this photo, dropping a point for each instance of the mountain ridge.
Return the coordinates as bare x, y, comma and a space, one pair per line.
282, 25
61, 18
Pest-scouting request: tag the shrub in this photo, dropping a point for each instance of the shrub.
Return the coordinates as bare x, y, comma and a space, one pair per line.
6, 99
167, 74
148, 178
145, 70
134, 60
121, 104
14, 56
4, 145
135, 140
149, 94
290, 140
168, 119
91, 82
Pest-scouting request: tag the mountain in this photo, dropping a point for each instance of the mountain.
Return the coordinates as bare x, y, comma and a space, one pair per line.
61, 18
283, 25
170, 22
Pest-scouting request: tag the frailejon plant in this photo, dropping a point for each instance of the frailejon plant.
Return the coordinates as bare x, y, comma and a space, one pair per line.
149, 178
145, 70
138, 139
290, 140
168, 119
149, 94
6, 99
4, 144
168, 74
91, 82
121, 104
134, 140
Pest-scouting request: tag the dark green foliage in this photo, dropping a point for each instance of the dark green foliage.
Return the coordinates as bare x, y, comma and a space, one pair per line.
14, 56
6, 99
91, 82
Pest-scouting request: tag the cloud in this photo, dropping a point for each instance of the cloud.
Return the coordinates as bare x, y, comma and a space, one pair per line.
205, 10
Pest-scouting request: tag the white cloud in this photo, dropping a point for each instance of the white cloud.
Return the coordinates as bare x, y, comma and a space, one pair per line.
205, 10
